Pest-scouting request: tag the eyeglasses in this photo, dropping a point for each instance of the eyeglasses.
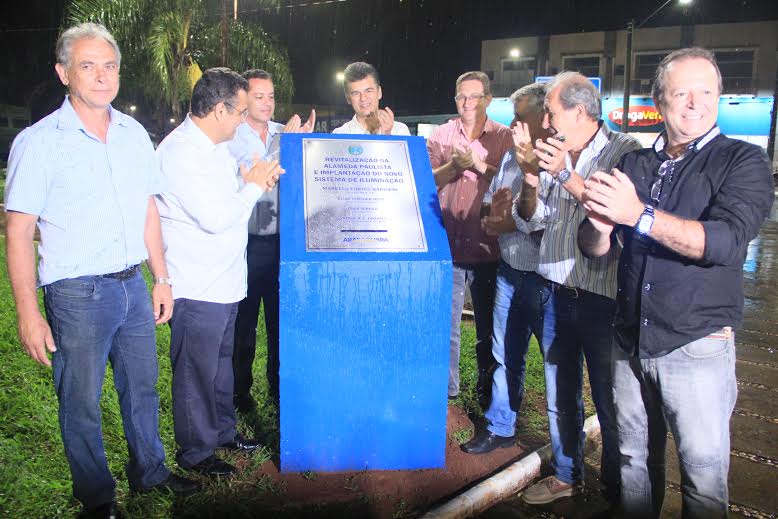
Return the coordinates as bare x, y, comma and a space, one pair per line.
243, 114
461, 98
665, 168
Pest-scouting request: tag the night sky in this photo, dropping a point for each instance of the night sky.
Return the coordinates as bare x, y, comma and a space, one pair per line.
419, 46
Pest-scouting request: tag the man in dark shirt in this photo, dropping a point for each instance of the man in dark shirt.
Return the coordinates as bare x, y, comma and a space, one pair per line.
686, 210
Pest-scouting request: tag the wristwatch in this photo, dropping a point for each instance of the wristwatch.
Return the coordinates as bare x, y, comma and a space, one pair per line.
646, 221
564, 176
163, 281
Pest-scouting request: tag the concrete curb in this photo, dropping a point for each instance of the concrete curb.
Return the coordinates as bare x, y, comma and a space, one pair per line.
505, 483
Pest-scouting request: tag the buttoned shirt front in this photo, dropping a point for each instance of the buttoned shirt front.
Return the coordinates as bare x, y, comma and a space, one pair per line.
462, 197
666, 300
560, 259
520, 248
204, 212
355, 128
91, 197
243, 147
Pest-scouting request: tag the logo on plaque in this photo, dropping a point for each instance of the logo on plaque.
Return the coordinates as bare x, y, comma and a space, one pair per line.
360, 196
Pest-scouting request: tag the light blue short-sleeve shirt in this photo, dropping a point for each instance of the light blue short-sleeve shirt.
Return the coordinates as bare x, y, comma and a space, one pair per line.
90, 197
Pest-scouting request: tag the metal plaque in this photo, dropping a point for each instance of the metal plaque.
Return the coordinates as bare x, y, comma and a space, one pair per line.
360, 196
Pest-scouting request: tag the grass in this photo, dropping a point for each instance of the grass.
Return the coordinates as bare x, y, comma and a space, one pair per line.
34, 475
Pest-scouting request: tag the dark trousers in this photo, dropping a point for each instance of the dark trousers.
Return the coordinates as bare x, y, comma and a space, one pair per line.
201, 342
481, 279
262, 256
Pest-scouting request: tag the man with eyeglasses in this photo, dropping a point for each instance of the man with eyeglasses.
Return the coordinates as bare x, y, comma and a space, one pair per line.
363, 92
464, 155
259, 137
574, 296
685, 211
204, 212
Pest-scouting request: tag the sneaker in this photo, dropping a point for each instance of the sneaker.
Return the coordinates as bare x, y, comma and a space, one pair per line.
547, 490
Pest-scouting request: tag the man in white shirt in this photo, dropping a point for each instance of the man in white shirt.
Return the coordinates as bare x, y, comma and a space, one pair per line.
204, 212
363, 92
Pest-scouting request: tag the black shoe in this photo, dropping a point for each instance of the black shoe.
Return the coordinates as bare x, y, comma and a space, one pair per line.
239, 443
213, 466
178, 485
104, 511
485, 441
244, 403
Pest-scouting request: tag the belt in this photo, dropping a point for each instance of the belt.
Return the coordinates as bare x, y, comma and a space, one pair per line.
124, 274
572, 292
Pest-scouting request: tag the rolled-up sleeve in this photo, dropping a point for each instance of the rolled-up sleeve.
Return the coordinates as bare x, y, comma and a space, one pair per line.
739, 209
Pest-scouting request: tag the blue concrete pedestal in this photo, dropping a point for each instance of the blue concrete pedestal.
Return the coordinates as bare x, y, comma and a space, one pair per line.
364, 339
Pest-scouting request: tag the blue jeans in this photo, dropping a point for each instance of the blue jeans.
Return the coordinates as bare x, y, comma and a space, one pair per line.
576, 324
693, 390
513, 322
95, 320
480, 279
201, 344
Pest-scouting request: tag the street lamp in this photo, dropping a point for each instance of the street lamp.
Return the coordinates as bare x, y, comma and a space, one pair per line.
631, 28
133, 108
514, 53
339, 76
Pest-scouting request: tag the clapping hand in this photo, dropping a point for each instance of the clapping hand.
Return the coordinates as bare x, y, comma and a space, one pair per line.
525, 151
263, 174
500, 218
551, 154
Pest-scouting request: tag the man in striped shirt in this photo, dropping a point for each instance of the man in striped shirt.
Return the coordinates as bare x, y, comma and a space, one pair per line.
574, 295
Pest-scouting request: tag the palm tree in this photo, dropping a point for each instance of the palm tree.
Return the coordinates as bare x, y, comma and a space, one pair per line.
166, 43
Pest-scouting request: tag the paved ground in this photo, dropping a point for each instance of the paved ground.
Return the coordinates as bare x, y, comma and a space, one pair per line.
753, 478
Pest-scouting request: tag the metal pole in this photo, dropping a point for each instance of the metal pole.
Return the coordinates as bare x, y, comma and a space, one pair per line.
627, 77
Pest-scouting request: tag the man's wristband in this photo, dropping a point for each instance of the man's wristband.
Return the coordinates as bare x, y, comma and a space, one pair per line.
163, 281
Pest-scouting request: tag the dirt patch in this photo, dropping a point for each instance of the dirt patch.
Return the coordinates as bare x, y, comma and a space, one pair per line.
380, 494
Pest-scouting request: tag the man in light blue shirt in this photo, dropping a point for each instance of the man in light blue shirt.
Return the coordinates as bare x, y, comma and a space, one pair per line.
259, 137
513, 319
204, 211
85, 175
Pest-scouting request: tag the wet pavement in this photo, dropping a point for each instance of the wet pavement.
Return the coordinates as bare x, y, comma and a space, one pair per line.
753, 476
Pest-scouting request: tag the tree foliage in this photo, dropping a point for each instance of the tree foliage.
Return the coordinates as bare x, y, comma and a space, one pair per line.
166, 43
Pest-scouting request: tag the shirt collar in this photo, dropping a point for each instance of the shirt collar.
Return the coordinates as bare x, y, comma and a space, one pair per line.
195, 134
354, 121
272, 128
697, 145
69, 119
601, 139
488, 127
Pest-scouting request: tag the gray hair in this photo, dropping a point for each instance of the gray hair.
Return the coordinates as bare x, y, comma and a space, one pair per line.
86, 30
535, 94
658, 88
475, 75
575, 89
